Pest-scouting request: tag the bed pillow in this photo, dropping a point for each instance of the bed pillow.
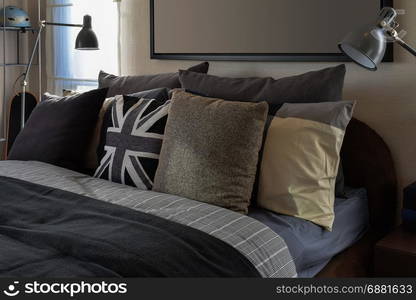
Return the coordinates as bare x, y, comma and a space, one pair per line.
59, 130
301, 158
160, 94
123, 85
317, 86
325, 85
133, 141
210, 150
92, 157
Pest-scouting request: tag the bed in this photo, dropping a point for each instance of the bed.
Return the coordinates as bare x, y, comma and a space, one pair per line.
119, 231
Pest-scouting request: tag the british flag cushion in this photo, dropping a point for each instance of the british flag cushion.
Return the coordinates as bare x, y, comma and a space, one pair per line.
133, 141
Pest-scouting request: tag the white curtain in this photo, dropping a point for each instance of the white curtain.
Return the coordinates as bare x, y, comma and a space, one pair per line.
77, 70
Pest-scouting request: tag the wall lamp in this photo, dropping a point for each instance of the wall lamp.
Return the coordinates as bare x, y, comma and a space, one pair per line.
367, 46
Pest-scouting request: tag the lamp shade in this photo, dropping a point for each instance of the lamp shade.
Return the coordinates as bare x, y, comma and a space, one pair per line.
365, 47
86, 39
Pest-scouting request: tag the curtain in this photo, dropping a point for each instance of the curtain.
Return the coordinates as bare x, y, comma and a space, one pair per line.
77, 70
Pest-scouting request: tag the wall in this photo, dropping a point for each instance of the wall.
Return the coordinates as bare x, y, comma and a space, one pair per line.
386, 99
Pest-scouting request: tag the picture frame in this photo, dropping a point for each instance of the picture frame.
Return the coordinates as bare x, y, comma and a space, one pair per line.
276, 57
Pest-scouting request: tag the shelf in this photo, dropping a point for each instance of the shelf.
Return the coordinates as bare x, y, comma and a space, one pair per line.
23, 30
16, 62
13, 65
16, 65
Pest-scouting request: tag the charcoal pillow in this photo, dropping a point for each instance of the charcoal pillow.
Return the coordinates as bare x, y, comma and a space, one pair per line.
160, 94
123, 85
210, 150
60, 129
133, 141
317, 86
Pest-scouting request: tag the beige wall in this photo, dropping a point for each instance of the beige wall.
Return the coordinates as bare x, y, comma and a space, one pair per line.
386, 99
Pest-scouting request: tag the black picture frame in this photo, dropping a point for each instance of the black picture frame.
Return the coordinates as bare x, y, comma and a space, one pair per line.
270, 57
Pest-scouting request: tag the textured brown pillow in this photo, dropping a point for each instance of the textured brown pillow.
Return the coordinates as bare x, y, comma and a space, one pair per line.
92, 162
123, 85
210, 150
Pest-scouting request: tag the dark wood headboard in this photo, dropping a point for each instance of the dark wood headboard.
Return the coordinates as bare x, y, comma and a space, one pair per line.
368, 163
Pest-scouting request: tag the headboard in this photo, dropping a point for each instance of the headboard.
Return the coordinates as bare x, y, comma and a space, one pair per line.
368, 163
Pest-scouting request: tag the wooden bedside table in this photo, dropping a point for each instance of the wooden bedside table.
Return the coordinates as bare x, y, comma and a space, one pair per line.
395, 255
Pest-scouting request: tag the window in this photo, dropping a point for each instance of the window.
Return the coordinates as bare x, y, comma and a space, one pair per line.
77, 70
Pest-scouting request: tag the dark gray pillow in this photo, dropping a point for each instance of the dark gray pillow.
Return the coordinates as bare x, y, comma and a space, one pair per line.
210, 150
317, 86
59, 130
123, 85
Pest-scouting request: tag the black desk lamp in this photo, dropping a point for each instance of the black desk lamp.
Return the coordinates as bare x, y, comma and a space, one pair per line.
367, 46
86, 40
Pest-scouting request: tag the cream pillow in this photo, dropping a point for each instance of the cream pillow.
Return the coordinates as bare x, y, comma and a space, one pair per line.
301, 158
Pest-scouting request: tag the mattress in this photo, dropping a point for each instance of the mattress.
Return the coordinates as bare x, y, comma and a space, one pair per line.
311, 246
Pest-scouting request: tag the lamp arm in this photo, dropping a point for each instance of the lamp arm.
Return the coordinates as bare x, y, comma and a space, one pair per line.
61, 24
406, 46
387, 22
32, 56
26, 76
35, 47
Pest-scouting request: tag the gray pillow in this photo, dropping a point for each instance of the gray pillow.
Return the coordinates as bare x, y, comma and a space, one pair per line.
317, 86
123, 85
210, 150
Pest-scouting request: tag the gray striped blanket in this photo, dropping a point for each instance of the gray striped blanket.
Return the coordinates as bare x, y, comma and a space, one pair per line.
266, 250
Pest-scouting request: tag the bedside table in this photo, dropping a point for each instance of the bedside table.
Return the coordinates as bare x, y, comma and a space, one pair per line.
395, 255
409, 207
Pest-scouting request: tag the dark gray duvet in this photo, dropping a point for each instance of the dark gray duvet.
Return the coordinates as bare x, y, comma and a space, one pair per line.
47, 232
262, 247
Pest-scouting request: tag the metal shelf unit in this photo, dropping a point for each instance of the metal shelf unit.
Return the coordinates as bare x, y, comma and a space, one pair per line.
19, 29
6, 65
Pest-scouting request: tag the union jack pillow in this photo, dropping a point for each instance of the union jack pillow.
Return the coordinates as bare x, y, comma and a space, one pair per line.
134, 141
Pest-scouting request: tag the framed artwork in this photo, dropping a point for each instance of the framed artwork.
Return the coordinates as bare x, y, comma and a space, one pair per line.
257, 30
